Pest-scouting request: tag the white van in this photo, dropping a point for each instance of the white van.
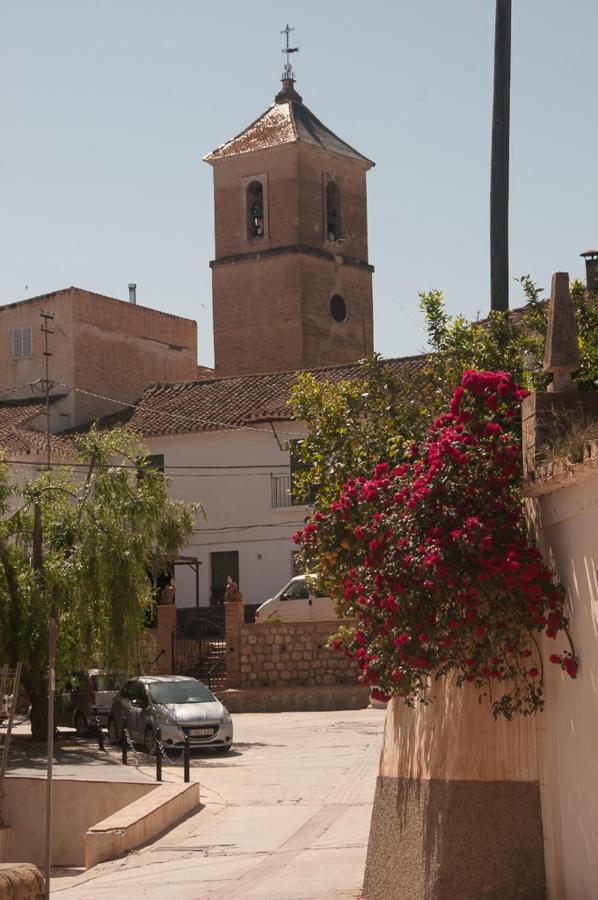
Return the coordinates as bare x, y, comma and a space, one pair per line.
298, 601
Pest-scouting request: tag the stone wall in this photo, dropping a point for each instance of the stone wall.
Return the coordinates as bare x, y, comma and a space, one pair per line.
286, 654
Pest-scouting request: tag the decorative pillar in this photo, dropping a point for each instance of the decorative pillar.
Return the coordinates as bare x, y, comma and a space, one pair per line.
561, 355
457, 805
164, 636
234, 619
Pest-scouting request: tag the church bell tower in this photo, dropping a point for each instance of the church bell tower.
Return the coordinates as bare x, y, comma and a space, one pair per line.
291, 281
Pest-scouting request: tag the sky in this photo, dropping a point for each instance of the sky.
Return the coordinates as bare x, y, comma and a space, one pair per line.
107, 107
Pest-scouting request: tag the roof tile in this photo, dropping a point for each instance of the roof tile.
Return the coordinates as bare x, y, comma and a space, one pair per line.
237, 401
285, 122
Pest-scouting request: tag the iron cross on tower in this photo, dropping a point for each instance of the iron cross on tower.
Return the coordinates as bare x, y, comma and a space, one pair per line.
288, 73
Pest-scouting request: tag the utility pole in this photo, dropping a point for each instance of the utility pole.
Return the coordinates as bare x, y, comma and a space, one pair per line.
499, 177
47, 385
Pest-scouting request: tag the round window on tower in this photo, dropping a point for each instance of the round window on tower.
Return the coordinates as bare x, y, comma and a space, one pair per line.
338, 308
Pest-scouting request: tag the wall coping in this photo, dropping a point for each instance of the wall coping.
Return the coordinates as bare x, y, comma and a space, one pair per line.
140, 821
561, 473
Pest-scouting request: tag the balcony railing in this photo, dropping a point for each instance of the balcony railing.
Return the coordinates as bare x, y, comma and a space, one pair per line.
281, 486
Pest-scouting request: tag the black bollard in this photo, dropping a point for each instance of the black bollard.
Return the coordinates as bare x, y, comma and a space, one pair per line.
96, 719
158, 754
123, 742
186, 759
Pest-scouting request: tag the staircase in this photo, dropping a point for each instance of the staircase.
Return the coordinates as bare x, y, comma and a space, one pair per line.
212, 668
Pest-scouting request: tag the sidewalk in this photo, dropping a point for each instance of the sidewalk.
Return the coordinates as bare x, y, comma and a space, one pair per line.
286, 817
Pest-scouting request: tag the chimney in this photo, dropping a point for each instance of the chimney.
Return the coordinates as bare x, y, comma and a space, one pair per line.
591, 258
133, 293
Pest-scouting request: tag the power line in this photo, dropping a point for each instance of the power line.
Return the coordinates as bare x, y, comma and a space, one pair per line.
256, 540
224, 528
37, 464
81, 465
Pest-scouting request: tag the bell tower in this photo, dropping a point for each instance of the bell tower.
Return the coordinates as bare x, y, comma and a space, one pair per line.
291, 280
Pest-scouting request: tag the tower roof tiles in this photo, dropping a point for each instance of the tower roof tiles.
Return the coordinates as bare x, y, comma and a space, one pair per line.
287, 121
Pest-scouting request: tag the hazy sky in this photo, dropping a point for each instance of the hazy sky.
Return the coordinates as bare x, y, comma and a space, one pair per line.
107, 107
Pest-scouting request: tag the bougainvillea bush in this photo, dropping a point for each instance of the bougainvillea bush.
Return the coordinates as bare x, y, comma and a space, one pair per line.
433, 559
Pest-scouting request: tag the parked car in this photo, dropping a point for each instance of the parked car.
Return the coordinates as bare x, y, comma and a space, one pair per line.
298, 601
82, 691
179, 705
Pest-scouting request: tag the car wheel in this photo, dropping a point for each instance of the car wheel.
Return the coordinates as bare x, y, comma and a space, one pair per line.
113, 731
224, 749
149, 740
81, 725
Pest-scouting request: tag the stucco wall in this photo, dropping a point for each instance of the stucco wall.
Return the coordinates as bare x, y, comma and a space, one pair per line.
567, 525
281, 655
15, 372
121, 347
77, 805
238, 507
100, 344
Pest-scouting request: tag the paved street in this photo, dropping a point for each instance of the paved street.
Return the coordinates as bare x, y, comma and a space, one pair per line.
286, 816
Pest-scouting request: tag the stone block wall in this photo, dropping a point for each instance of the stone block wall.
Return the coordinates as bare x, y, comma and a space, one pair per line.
289, 654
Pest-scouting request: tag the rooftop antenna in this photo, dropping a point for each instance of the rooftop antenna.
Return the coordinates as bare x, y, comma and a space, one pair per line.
287, 72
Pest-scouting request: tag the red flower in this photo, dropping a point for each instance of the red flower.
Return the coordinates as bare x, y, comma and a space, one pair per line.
571, 666
377, 694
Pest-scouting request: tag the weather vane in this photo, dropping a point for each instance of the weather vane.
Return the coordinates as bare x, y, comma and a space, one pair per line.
288, 73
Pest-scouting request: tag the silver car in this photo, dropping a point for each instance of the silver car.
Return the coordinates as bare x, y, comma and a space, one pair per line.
179, 706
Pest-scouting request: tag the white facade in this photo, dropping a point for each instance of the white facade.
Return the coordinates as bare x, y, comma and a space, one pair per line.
241, 477
567, 522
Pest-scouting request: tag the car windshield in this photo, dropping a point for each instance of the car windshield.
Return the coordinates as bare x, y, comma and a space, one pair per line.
190, 691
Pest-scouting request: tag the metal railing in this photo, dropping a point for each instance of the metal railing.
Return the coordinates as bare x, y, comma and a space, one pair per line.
282, 492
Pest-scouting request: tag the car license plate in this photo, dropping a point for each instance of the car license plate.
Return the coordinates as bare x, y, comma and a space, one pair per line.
201, 732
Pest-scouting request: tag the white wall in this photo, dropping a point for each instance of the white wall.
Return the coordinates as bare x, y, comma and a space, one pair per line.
237, 504
568, 728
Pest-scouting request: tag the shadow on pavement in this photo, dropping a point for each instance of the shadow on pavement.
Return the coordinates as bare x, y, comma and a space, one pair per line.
25, 753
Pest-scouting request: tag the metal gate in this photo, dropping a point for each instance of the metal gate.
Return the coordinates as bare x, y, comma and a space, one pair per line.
199, 650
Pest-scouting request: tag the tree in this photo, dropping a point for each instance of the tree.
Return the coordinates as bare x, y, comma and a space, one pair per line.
354, 424
80, 542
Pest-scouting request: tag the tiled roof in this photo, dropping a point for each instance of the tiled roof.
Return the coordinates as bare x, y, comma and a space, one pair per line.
287, 121
16, 435
213, 404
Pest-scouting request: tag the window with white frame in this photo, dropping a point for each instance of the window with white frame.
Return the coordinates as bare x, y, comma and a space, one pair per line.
22, 342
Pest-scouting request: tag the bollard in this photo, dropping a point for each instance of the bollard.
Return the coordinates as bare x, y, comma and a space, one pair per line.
186, 759
158, 754
98, 727
124, 740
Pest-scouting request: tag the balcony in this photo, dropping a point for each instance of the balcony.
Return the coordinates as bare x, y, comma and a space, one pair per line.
281, 487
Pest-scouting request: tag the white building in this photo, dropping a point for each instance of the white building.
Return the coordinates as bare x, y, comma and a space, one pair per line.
225, 443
